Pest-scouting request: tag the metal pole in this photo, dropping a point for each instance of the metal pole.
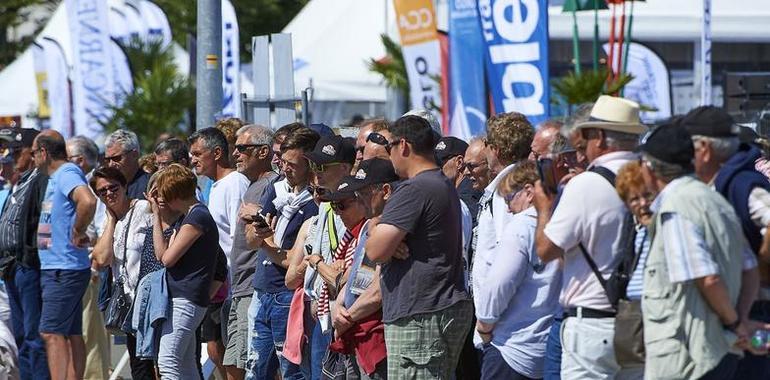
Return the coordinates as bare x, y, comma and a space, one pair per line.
705, 55
208, 83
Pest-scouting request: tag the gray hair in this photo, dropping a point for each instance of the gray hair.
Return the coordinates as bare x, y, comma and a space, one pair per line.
560, 144
85, 147
582, 113
666, 171
722, 147
477, 139
127, 140
620, 141
258, 134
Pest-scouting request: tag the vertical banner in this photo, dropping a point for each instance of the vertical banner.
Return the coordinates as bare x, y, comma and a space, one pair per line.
157, 22
467, 90
705, 55
651, 85
93, 83
516, 37
231, 67
41, 79
417, 27
59, 99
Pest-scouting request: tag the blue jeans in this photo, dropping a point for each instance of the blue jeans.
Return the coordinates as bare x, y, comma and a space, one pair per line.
178, 343
552, 367
26, 303
493, 366
269, 334
319, 344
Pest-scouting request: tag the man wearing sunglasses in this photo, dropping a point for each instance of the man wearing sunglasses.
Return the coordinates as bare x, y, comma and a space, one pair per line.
122, 151
67, 210
424, 295
331, 160
377, 145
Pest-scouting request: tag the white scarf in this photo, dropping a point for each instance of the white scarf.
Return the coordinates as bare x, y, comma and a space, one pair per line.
286, 210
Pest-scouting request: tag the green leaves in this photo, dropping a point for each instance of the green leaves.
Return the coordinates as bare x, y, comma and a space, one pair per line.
391, 67
161, 96
588, 85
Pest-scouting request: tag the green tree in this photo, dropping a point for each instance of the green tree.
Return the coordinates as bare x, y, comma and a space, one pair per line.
16, 12
255, 17
161, 95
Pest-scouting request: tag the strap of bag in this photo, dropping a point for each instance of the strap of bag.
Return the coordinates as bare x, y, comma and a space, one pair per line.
594, 268
125, 242
610, 177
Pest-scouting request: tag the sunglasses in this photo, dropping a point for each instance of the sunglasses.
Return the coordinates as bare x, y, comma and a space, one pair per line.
117, 157
317, 190
377, 139
339, 205
107, 189
509, 197
321, 168
471, 166
242, 148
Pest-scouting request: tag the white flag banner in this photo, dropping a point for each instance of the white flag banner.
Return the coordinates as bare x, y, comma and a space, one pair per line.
59, 100
650, 86
136, 25
93, 83
124, 81
118, 25
231, 67
156, 21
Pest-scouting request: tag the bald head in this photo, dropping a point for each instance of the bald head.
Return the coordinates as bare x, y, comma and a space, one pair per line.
544, 137
476, 167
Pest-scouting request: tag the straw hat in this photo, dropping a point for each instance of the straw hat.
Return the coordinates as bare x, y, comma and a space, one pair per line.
614, 114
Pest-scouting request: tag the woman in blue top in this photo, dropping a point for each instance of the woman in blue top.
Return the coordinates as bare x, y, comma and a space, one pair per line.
189, 258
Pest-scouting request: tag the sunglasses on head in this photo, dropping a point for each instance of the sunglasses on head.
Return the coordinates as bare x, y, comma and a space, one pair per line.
377, 139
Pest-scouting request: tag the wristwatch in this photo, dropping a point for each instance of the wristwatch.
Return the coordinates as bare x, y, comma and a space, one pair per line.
732, 326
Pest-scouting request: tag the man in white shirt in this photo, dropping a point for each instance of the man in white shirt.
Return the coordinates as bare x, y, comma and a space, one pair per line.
590, 215
209, 157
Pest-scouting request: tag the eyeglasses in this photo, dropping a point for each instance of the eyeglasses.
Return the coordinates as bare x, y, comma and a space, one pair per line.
511, 196
107, 189
321, 168
74, 157
317, 190
117, 157
242, 148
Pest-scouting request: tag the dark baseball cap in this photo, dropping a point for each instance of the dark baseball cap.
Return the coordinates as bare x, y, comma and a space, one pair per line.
370, 172
710, 121
322, 129
448, 147
330, 149
670, 143
18, 137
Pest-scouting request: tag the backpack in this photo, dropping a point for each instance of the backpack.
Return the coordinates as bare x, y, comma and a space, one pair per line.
615, 286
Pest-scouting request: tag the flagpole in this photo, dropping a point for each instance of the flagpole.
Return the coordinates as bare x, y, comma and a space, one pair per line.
208, 93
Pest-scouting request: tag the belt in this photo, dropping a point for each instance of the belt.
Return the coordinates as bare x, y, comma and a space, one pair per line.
588, 313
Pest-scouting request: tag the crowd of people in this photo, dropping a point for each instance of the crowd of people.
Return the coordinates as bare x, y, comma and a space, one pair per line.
594, 247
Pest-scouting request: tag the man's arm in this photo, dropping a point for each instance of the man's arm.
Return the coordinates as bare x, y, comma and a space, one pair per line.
749, 291
713, 289
546, 249
368, 302
295, 273
383, 241
85, 206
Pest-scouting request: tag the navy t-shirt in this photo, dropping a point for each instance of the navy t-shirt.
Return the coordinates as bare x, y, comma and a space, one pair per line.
191, 277
269, 277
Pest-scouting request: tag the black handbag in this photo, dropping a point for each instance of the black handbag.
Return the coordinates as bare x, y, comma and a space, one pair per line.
119, 306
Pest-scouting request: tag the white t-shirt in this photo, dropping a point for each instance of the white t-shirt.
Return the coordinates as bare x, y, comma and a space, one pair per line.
141, 223
589, 211
224, 201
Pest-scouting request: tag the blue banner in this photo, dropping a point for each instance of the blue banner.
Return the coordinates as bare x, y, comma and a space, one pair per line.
467, 90
516, 36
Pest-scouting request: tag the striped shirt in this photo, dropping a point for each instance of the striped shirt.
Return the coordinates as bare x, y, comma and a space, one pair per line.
345, 252
642, 248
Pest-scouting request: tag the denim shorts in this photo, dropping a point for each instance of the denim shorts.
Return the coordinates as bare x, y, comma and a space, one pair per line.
62, 295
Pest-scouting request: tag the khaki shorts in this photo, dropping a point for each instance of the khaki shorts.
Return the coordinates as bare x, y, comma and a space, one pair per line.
237, 333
